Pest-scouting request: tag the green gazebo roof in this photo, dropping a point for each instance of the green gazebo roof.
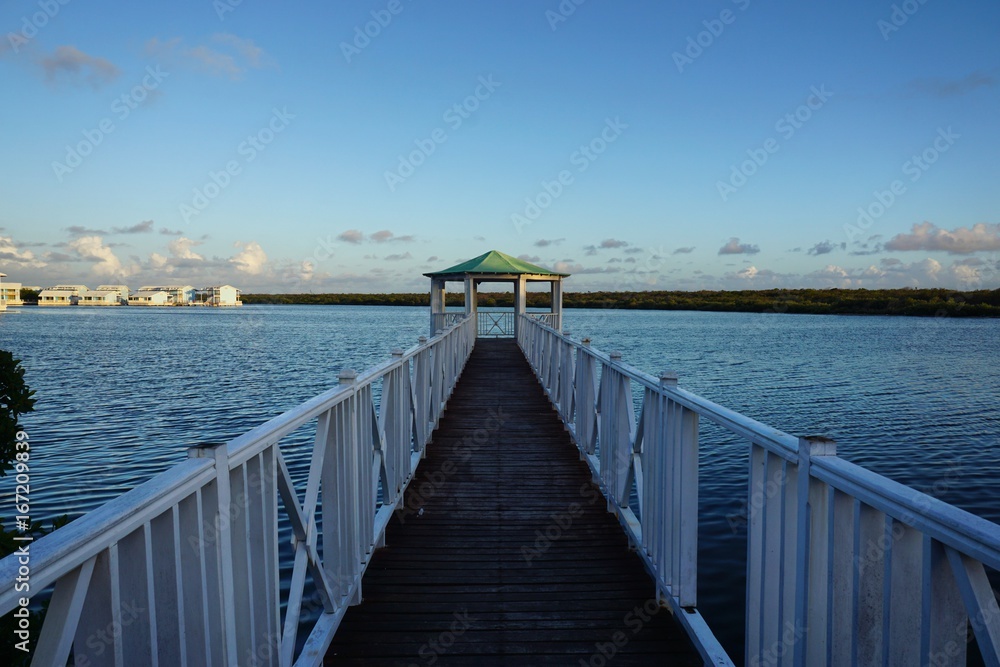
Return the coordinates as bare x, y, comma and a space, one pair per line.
495, 262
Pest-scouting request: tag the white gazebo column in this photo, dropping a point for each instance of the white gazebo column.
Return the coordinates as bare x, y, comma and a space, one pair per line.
556, 304
520, 301
437, 304
471, 295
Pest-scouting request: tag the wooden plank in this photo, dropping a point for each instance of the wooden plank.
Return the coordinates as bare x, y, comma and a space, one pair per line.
503, 551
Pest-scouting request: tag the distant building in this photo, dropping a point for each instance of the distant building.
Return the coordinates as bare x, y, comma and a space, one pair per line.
150, 297
180, 295
121, 290
222, 295
102, 296
61, 295
10, 293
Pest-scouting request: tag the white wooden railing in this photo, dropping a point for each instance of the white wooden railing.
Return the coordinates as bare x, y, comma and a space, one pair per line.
184, 569
844, 566
548, 319
495, 323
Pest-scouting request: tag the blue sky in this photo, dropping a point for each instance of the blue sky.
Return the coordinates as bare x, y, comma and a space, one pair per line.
352, 146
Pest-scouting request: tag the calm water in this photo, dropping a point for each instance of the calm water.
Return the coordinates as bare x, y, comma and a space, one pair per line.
123, 392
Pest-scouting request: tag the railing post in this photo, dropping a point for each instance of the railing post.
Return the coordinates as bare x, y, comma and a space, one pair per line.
812, 558
437, 379
585, 400
394, 419
421, 381
223, 545
663, 475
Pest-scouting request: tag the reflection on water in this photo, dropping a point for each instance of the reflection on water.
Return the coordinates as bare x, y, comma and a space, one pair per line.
123, 392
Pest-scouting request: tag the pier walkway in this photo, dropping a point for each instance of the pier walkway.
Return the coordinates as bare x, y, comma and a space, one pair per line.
503, 552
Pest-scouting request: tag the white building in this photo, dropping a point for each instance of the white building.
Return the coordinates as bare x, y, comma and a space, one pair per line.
10, 293
3, 294
61, 295
221, 295
121, 291
99, 297
150, 297
180, 295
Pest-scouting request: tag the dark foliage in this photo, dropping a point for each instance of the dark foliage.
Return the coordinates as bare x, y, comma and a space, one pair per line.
904, 301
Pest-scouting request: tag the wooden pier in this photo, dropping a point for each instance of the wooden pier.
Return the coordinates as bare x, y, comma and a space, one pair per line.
503, 552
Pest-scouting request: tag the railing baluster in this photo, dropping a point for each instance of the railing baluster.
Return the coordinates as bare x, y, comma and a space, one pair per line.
755, 553
164, 587
63, 616
981, 603
222, 542
93, 644
842, 582
945, 638
870, 552
772, 510
906, 594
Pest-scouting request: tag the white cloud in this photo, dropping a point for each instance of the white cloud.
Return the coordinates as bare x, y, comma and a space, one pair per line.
181, 249
962, 241
92, 249
250, 52
826, 247
145, 227
251, 258
734, 247
68, 63
23, 258
236, 56
385, 236
354, 236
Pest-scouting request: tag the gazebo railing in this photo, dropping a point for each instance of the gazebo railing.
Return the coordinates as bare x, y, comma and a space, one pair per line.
495, 323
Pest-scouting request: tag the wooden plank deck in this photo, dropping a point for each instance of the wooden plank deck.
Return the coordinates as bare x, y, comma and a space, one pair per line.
504, 553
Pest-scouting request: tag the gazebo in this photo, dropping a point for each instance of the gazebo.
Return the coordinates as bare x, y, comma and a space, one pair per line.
495, 267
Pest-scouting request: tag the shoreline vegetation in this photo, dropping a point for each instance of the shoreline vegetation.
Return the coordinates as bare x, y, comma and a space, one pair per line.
904, 301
